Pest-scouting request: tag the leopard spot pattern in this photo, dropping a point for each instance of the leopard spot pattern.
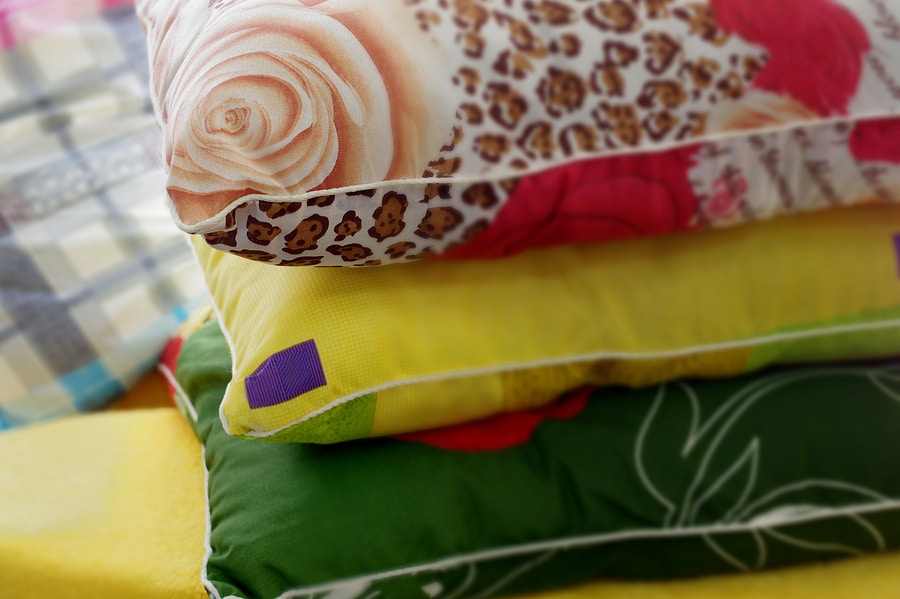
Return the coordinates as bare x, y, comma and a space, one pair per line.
539, 82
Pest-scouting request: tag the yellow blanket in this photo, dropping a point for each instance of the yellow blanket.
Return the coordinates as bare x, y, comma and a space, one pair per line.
112, 505
106, 506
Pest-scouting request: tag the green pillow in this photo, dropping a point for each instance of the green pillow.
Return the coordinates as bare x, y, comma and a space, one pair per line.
691, 478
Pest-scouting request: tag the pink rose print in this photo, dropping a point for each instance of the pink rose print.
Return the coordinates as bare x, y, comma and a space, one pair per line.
727, 197
590, 201
816, 48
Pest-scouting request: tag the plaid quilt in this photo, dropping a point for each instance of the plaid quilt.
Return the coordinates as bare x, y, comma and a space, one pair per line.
94, 277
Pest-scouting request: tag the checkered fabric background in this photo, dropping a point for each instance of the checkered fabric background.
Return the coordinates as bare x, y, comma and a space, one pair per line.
94, 276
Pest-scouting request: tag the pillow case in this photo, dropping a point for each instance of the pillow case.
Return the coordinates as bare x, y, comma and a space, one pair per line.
94, 277
349, 133
680, 480
325, 355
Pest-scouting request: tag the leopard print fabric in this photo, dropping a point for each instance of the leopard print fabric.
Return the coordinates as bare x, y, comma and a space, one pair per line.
541, 83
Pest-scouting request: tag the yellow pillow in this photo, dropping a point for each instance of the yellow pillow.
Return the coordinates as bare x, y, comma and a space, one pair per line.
105, 506
325, 355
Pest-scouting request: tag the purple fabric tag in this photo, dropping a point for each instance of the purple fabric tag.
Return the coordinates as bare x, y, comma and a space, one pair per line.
285, 375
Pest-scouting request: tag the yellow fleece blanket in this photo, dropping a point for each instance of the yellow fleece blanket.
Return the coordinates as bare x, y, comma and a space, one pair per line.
112, 505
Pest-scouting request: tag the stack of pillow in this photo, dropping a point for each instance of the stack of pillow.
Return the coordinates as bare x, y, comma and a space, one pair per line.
566, 239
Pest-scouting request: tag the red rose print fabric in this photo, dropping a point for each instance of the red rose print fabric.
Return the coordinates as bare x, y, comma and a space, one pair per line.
502, 431
816, 48
353, 133
876, 141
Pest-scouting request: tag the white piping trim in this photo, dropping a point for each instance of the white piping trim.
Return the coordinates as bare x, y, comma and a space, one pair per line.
805, 484
596, 356
564, 544
180, 396
204, 573
231, 381
208, 225
225, 332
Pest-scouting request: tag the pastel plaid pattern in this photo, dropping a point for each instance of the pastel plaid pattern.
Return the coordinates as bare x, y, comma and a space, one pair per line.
94, 277
21, 20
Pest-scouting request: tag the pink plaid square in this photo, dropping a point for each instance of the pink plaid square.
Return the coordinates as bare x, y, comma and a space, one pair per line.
22, 20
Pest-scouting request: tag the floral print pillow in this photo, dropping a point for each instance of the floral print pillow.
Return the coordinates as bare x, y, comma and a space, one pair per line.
355, 133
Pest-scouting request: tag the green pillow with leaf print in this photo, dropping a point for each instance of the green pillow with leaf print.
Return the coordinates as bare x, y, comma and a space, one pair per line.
686, 479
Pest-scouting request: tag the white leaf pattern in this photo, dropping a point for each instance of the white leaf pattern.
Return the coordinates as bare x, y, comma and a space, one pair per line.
766, 510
